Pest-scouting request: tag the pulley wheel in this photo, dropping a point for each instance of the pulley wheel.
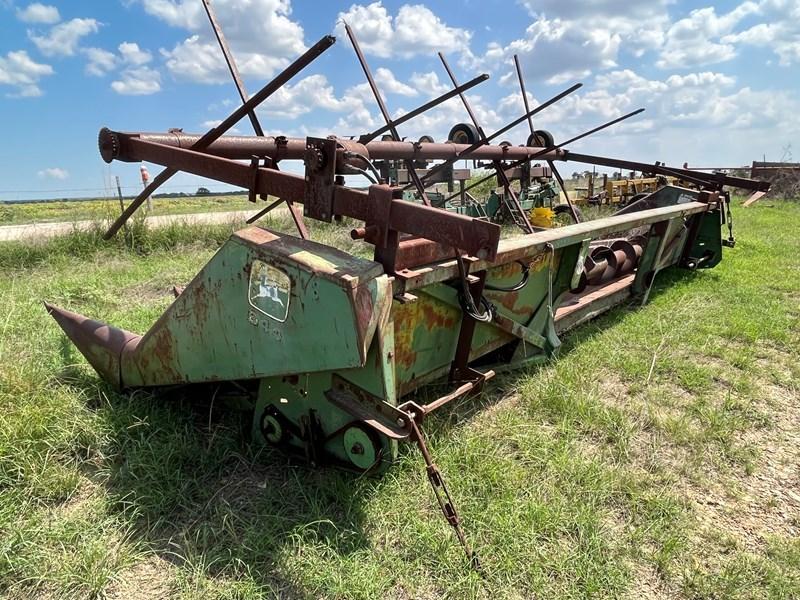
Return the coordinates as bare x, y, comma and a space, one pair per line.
541, 138
463, 133
361, 449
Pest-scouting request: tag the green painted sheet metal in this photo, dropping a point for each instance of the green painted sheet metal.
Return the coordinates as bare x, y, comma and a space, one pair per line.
223, 327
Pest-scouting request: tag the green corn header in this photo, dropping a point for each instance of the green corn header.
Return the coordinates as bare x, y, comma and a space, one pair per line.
328, 349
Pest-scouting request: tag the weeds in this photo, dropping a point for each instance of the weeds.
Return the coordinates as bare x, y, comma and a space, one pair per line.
656, 458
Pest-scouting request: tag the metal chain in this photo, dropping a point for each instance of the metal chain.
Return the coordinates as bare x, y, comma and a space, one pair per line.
729, 217
443, 495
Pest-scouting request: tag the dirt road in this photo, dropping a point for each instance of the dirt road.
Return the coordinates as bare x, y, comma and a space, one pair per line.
48, 230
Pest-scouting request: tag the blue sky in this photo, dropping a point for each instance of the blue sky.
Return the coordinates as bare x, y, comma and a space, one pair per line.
720, 81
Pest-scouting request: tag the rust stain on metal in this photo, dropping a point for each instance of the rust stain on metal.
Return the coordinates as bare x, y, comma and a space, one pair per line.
425, 313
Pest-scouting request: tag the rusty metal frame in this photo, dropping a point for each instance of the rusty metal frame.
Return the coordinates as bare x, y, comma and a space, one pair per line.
474, 236
288, 73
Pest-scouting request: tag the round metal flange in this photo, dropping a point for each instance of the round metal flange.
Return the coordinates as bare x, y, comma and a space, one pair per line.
108, 143
359, 446
271, 429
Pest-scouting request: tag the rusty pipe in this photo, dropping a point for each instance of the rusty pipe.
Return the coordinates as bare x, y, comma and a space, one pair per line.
114, 145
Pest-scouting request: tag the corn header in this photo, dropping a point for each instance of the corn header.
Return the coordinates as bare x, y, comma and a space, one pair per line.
328, 349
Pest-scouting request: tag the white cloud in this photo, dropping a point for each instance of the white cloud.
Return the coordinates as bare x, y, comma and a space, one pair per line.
388, 83
312, 92
638, 9
101, 62
428, 83
695, 40
261, 34
63, 39
141, 81
567, 41
415, 30
22, 73
703, 102
779, 32
133, 55
53, 173
39, 13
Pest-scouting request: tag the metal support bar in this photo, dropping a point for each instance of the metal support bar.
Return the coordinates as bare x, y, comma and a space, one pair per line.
114, 146
234, 70
501, 174
217, 132
237, 80
263, 211
425, 107
412, 173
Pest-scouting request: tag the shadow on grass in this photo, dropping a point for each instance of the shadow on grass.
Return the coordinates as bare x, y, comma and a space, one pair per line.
183, 474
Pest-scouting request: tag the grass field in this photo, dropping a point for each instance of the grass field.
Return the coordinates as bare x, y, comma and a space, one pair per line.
50, 212
657, 458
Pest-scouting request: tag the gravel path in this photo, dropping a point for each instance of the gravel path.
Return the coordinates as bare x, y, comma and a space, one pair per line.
48, 230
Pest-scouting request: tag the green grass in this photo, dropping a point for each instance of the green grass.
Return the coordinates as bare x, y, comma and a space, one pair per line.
67, 211
656, 458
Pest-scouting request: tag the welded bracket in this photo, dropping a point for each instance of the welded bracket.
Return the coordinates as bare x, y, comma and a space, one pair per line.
252, 195
373, 412
320, 159
379, 210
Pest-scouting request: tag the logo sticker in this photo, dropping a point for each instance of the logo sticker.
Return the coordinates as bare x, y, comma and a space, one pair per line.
269, 290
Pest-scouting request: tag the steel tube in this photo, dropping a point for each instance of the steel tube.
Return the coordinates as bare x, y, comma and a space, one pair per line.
239, 147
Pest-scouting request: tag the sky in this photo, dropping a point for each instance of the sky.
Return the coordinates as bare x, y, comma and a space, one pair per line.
720, 81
